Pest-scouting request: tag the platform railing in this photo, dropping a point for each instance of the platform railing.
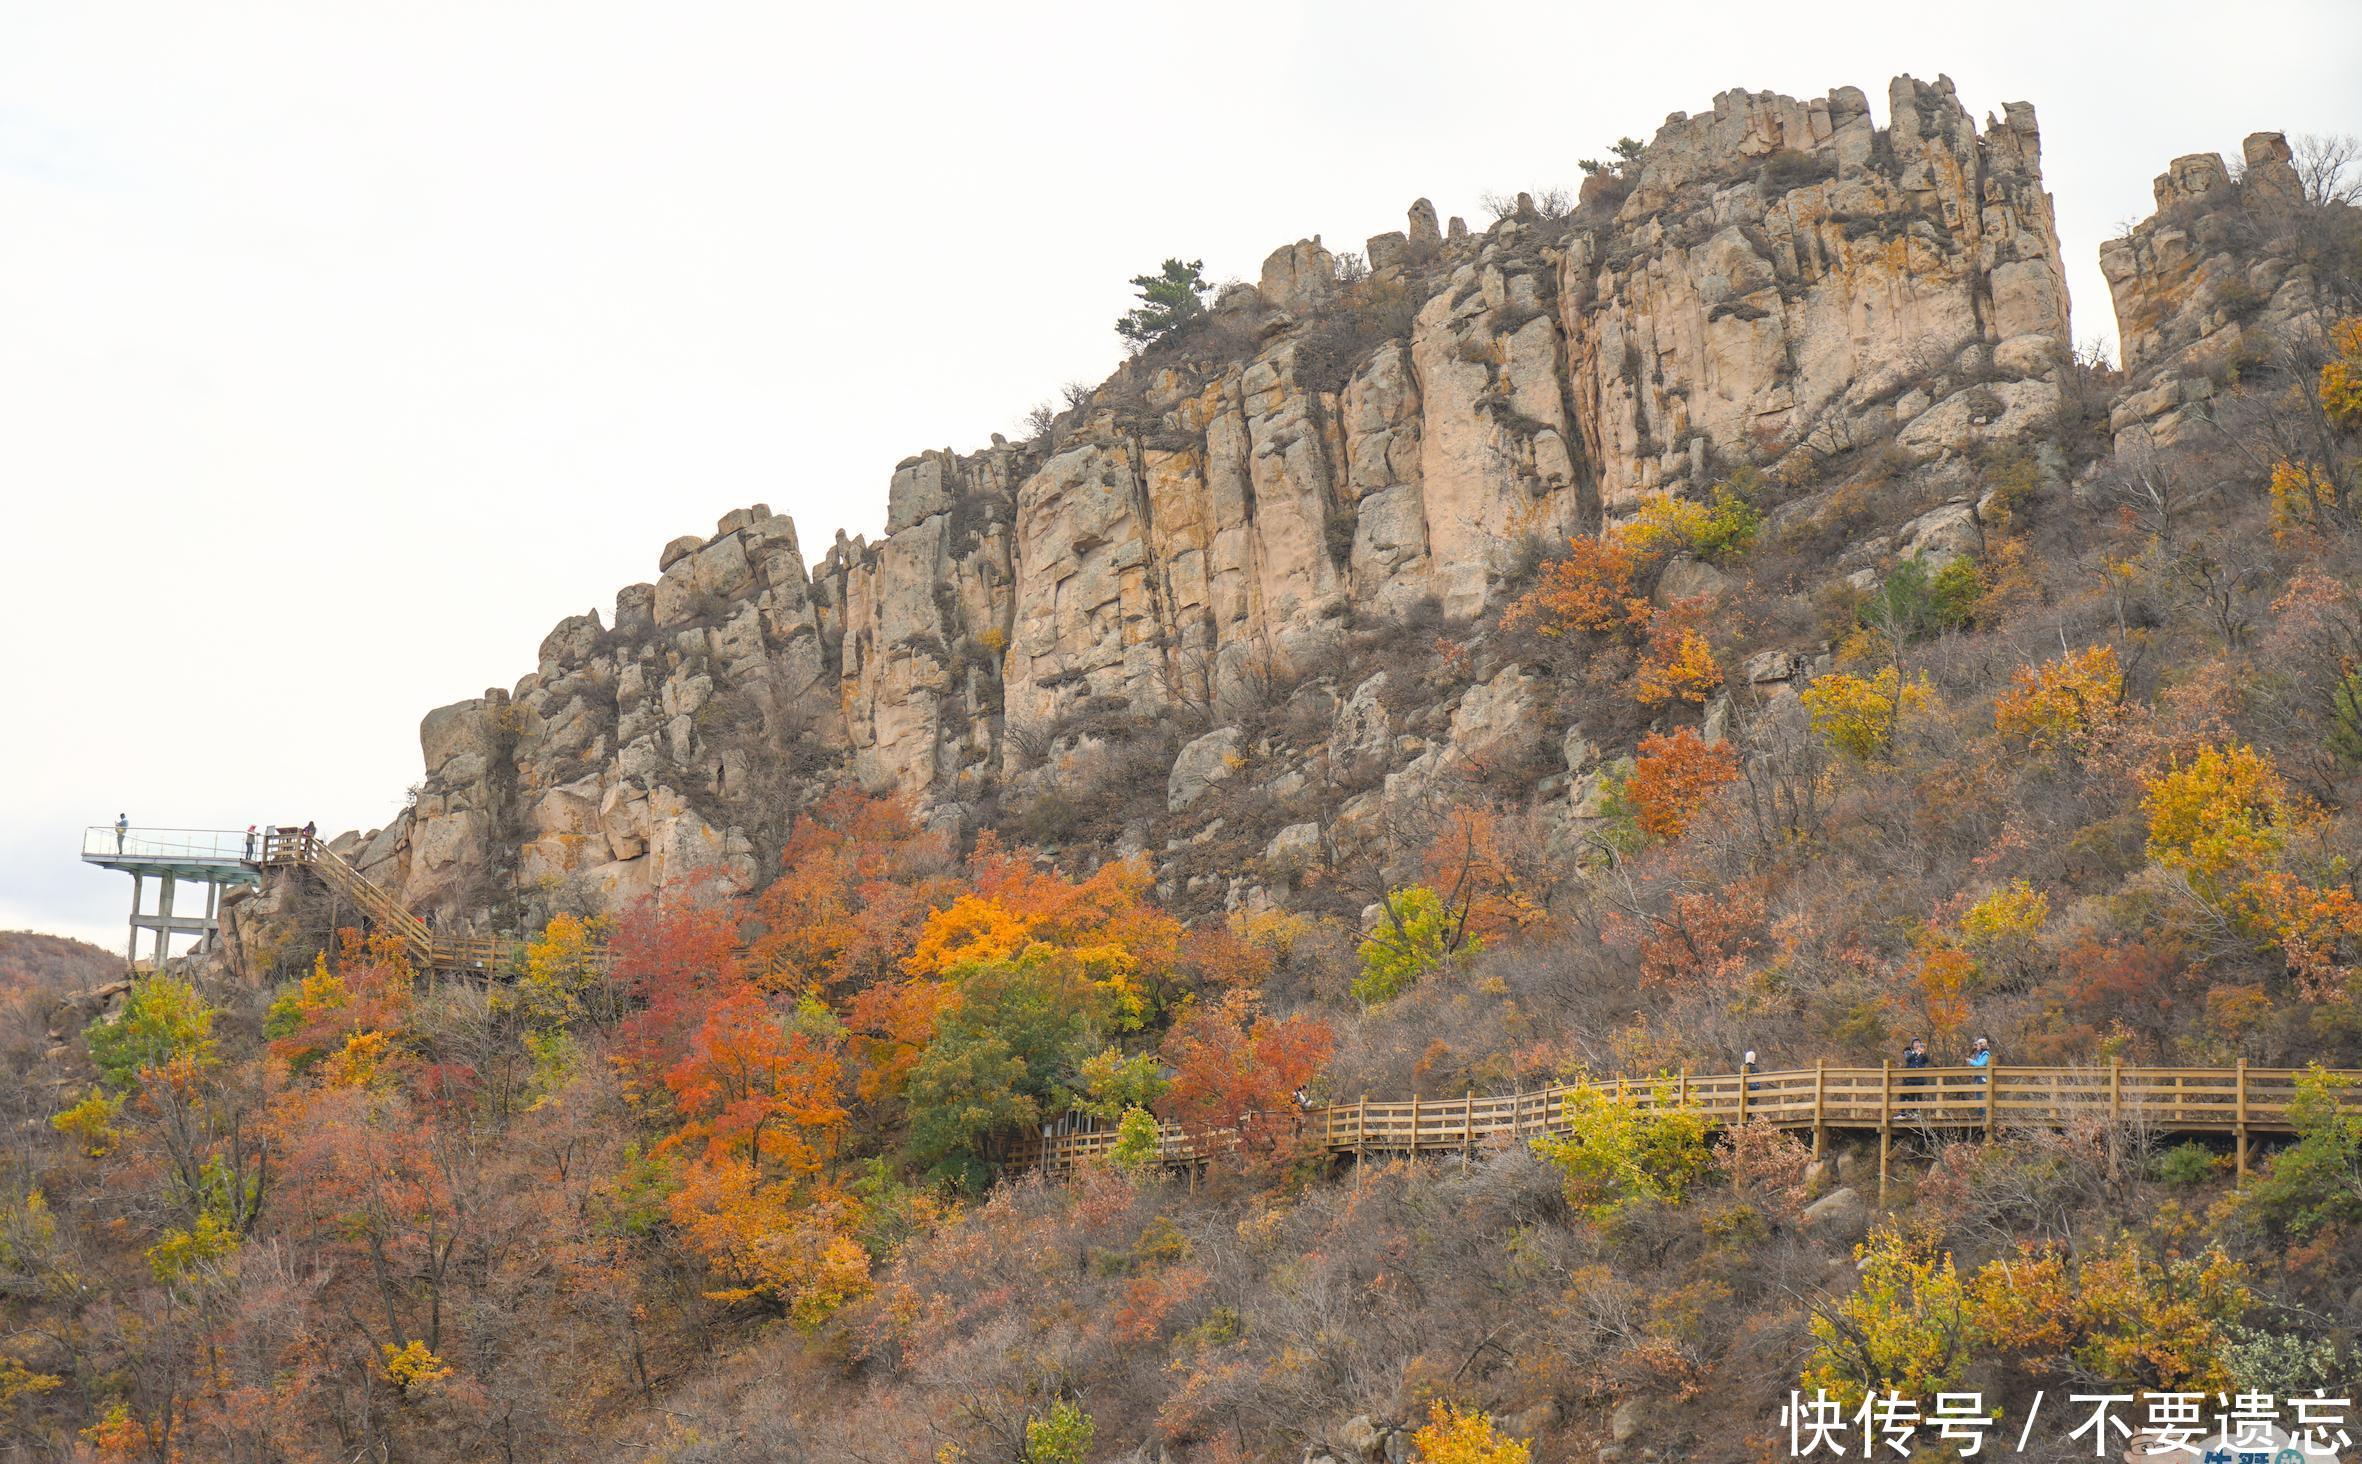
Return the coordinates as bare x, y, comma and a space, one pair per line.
213, 846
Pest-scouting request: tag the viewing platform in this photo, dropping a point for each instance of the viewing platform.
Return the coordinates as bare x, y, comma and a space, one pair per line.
219, 859
222, 855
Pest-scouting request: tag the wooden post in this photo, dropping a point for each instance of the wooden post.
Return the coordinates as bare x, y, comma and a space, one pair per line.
1414, 1123
1468, 1129
2242, 1121
1992, 1093
1742, 1095
1886, 1126
1361, 1134
2115, 1113
1685, 1087
1820, 1110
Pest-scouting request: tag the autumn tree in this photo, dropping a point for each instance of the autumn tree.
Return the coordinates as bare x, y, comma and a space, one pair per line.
1613, 1156
2340, 385
2221, 811
750, 1088
1673, 776
1103, 927
1239, 1069
1717, 530
2067, 706
1453, 1435
1416, 933
1491, 871
1905, 1328
161, 1020
858, 879
1860, 716
2145, 1313
1589, 590
671, 954
1677, 663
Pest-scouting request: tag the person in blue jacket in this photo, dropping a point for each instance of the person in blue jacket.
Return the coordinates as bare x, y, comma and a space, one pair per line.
1980, 1057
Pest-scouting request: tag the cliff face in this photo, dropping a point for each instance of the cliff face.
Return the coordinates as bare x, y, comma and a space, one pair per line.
1345, 442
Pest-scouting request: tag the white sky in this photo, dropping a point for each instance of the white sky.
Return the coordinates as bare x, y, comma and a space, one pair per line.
346, 348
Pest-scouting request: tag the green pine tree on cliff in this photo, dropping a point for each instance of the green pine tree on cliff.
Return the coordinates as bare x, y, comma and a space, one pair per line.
1169, 300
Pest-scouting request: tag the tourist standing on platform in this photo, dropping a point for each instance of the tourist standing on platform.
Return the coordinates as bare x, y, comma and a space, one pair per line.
1980, 1057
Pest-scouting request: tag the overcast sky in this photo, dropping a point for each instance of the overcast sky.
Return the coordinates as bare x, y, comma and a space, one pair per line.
346, 348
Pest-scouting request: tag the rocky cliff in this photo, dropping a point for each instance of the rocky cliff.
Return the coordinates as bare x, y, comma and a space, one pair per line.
2213, 284
1347, 443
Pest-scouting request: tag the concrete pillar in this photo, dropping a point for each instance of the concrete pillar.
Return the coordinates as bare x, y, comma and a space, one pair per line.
163, 917
132, 955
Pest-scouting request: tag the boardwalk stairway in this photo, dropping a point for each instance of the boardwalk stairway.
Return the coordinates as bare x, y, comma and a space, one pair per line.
483, 956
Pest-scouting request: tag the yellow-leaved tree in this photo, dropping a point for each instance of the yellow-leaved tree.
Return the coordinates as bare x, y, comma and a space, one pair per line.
2217, 814
1859, 716
2067, 706
1453, 1435
1904, 1329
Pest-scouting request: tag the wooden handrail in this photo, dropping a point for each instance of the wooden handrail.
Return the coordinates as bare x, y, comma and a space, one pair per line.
2233, 1101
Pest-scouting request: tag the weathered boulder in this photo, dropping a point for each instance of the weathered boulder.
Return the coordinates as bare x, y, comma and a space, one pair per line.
1944, 533
1294, 848
1201, 764
1841, 1214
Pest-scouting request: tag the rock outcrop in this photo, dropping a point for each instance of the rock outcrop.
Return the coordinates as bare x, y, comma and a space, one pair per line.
1766, 284
2211, 285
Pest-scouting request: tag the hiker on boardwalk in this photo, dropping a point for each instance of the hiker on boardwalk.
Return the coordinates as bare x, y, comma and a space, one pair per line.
1914, 1056
311, 831
250, 841
122, 827
1980, 1057
1747, 1071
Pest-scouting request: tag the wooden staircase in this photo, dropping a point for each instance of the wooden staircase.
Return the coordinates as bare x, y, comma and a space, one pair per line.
483, 956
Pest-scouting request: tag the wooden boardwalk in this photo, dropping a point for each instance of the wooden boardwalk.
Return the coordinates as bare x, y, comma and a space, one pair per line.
2238, 1102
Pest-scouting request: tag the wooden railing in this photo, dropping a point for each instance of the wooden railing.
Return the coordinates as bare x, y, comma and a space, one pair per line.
472, 955
2237, 1101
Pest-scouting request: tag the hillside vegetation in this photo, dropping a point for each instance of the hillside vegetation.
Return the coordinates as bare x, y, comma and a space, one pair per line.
2053, 741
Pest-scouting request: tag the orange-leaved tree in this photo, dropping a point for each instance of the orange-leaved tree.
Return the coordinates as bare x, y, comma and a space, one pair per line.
674, 955
1589, 590
2067, 706
1492, 871
858, 879
1103, 926
1673, 776
1238, 1069
1678, 662
750, 1088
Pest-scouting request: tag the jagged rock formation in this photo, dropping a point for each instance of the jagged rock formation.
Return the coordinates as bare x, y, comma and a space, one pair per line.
1345, 442
2208, 285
